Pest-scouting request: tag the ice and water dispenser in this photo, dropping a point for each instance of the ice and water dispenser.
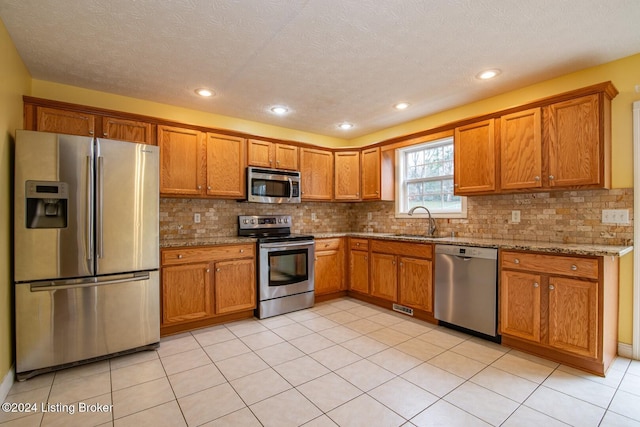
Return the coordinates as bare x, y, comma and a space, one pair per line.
47, 204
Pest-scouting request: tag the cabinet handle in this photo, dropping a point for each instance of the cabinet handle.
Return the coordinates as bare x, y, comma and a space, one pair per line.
455, 185
241, 251
105, 134
199, 187
394, 263
90, 132
208, 187
536, 284
208, 270
552, 177
574, 267
551, 287
377, 192
536, 178
217, 269
357, 244
315, 259
516, 261
179, 256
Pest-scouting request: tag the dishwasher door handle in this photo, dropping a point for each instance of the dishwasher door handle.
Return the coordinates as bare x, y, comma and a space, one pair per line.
464, 258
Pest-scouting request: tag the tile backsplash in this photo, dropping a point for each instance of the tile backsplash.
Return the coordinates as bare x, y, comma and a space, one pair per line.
562, 217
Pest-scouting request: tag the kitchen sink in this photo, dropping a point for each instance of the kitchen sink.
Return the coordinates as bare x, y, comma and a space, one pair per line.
420, 236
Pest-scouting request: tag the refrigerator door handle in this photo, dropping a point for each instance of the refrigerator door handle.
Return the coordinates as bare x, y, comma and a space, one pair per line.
89, 213
58, 285
99, 206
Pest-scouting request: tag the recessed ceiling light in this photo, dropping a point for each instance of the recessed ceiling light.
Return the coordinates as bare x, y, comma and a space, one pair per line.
401, 105
488, 74
204, 92
279, 109
345, 126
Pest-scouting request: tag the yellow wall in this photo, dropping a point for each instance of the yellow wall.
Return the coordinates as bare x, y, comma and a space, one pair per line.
76, 95
14, 82
624, 73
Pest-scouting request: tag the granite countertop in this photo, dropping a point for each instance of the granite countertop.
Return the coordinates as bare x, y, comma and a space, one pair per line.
524, 245
517, 244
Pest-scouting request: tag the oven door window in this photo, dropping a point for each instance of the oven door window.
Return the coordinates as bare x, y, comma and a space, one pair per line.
269, 188
287, 267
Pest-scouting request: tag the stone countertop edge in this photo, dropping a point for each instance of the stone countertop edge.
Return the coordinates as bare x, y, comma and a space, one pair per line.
523, 245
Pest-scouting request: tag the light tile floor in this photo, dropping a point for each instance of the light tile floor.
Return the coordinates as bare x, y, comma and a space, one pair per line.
343, 363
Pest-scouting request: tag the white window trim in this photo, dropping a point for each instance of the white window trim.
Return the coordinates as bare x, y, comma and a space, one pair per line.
398, 184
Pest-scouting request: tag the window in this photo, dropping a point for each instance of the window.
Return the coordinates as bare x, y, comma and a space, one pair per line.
424, 177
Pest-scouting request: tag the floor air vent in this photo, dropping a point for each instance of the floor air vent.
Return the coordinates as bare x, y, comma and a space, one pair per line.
403, 309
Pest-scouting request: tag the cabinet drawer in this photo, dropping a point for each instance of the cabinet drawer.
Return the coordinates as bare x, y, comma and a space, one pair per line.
418, 250
359, 244
332, 244
551, 264
209, 253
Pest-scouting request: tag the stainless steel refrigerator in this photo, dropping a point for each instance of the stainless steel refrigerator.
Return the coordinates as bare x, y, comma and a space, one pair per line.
86, 236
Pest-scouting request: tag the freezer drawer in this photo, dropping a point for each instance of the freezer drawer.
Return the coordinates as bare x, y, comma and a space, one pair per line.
75, 320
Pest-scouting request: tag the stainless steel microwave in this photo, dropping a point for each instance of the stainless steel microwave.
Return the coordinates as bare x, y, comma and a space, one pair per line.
273, 185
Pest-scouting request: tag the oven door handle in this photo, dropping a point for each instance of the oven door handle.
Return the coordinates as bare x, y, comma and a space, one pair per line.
285, 244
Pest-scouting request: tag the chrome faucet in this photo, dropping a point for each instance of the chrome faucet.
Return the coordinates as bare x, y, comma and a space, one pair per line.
432, 222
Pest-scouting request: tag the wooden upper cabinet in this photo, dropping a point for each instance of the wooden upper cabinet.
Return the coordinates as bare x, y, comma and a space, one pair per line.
347, 175
225, 166
63, 121
575, 134
182, 161
474, 158
128, 130
371, 174
272, 155
521, 150
316, 171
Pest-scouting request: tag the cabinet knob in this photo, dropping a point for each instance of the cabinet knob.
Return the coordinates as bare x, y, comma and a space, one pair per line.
377, 192
401, 264
179, 256
217, 269
551, 287
278, 162
574, 267
552, 177
536, 178
105, 134
357, 194
315, 258
516, 261
199, 187
536, 284
357, 244
208, 270
366, 258
241, 251
208, 187
90, 132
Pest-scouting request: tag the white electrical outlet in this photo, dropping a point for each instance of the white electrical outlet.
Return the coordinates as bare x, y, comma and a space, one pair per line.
314, 217
615, 216
369, 216
196, 218
515, 217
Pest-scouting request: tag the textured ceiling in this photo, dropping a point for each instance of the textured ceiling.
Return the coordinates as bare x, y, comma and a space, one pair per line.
327, 60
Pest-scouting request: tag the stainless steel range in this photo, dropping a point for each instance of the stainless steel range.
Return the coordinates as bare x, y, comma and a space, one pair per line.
285, 264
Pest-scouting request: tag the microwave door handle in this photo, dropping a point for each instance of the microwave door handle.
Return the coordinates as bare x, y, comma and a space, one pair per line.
290, 188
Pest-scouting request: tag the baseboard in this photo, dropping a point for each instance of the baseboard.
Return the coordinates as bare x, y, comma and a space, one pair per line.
625, 350
7, 383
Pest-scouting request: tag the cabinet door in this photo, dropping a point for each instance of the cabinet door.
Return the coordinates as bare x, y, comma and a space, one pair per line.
235, 285
416, 285
384, 276
474, 158
573, 315
260, 153
520, 305
521, 150
226, 166
186, 293
128, 130
371, 174
182, 161
329, 268
62, 121
359, 271
347, 175
286, 156
573, 133
316, 170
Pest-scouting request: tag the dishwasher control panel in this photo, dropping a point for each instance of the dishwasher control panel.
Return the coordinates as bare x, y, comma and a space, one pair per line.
467, 251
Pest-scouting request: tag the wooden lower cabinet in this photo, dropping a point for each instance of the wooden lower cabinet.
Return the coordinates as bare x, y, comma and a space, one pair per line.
415, 288
384, 276
204, 285
329, 266
359, 265
560, 307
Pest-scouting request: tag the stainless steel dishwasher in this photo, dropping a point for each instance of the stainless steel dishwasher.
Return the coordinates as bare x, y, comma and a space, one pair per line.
466, 289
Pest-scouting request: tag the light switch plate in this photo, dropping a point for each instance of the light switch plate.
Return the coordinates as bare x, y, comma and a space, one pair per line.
515, 217
615, 216
196, 218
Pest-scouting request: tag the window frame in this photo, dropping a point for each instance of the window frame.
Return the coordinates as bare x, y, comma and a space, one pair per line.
401, 183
